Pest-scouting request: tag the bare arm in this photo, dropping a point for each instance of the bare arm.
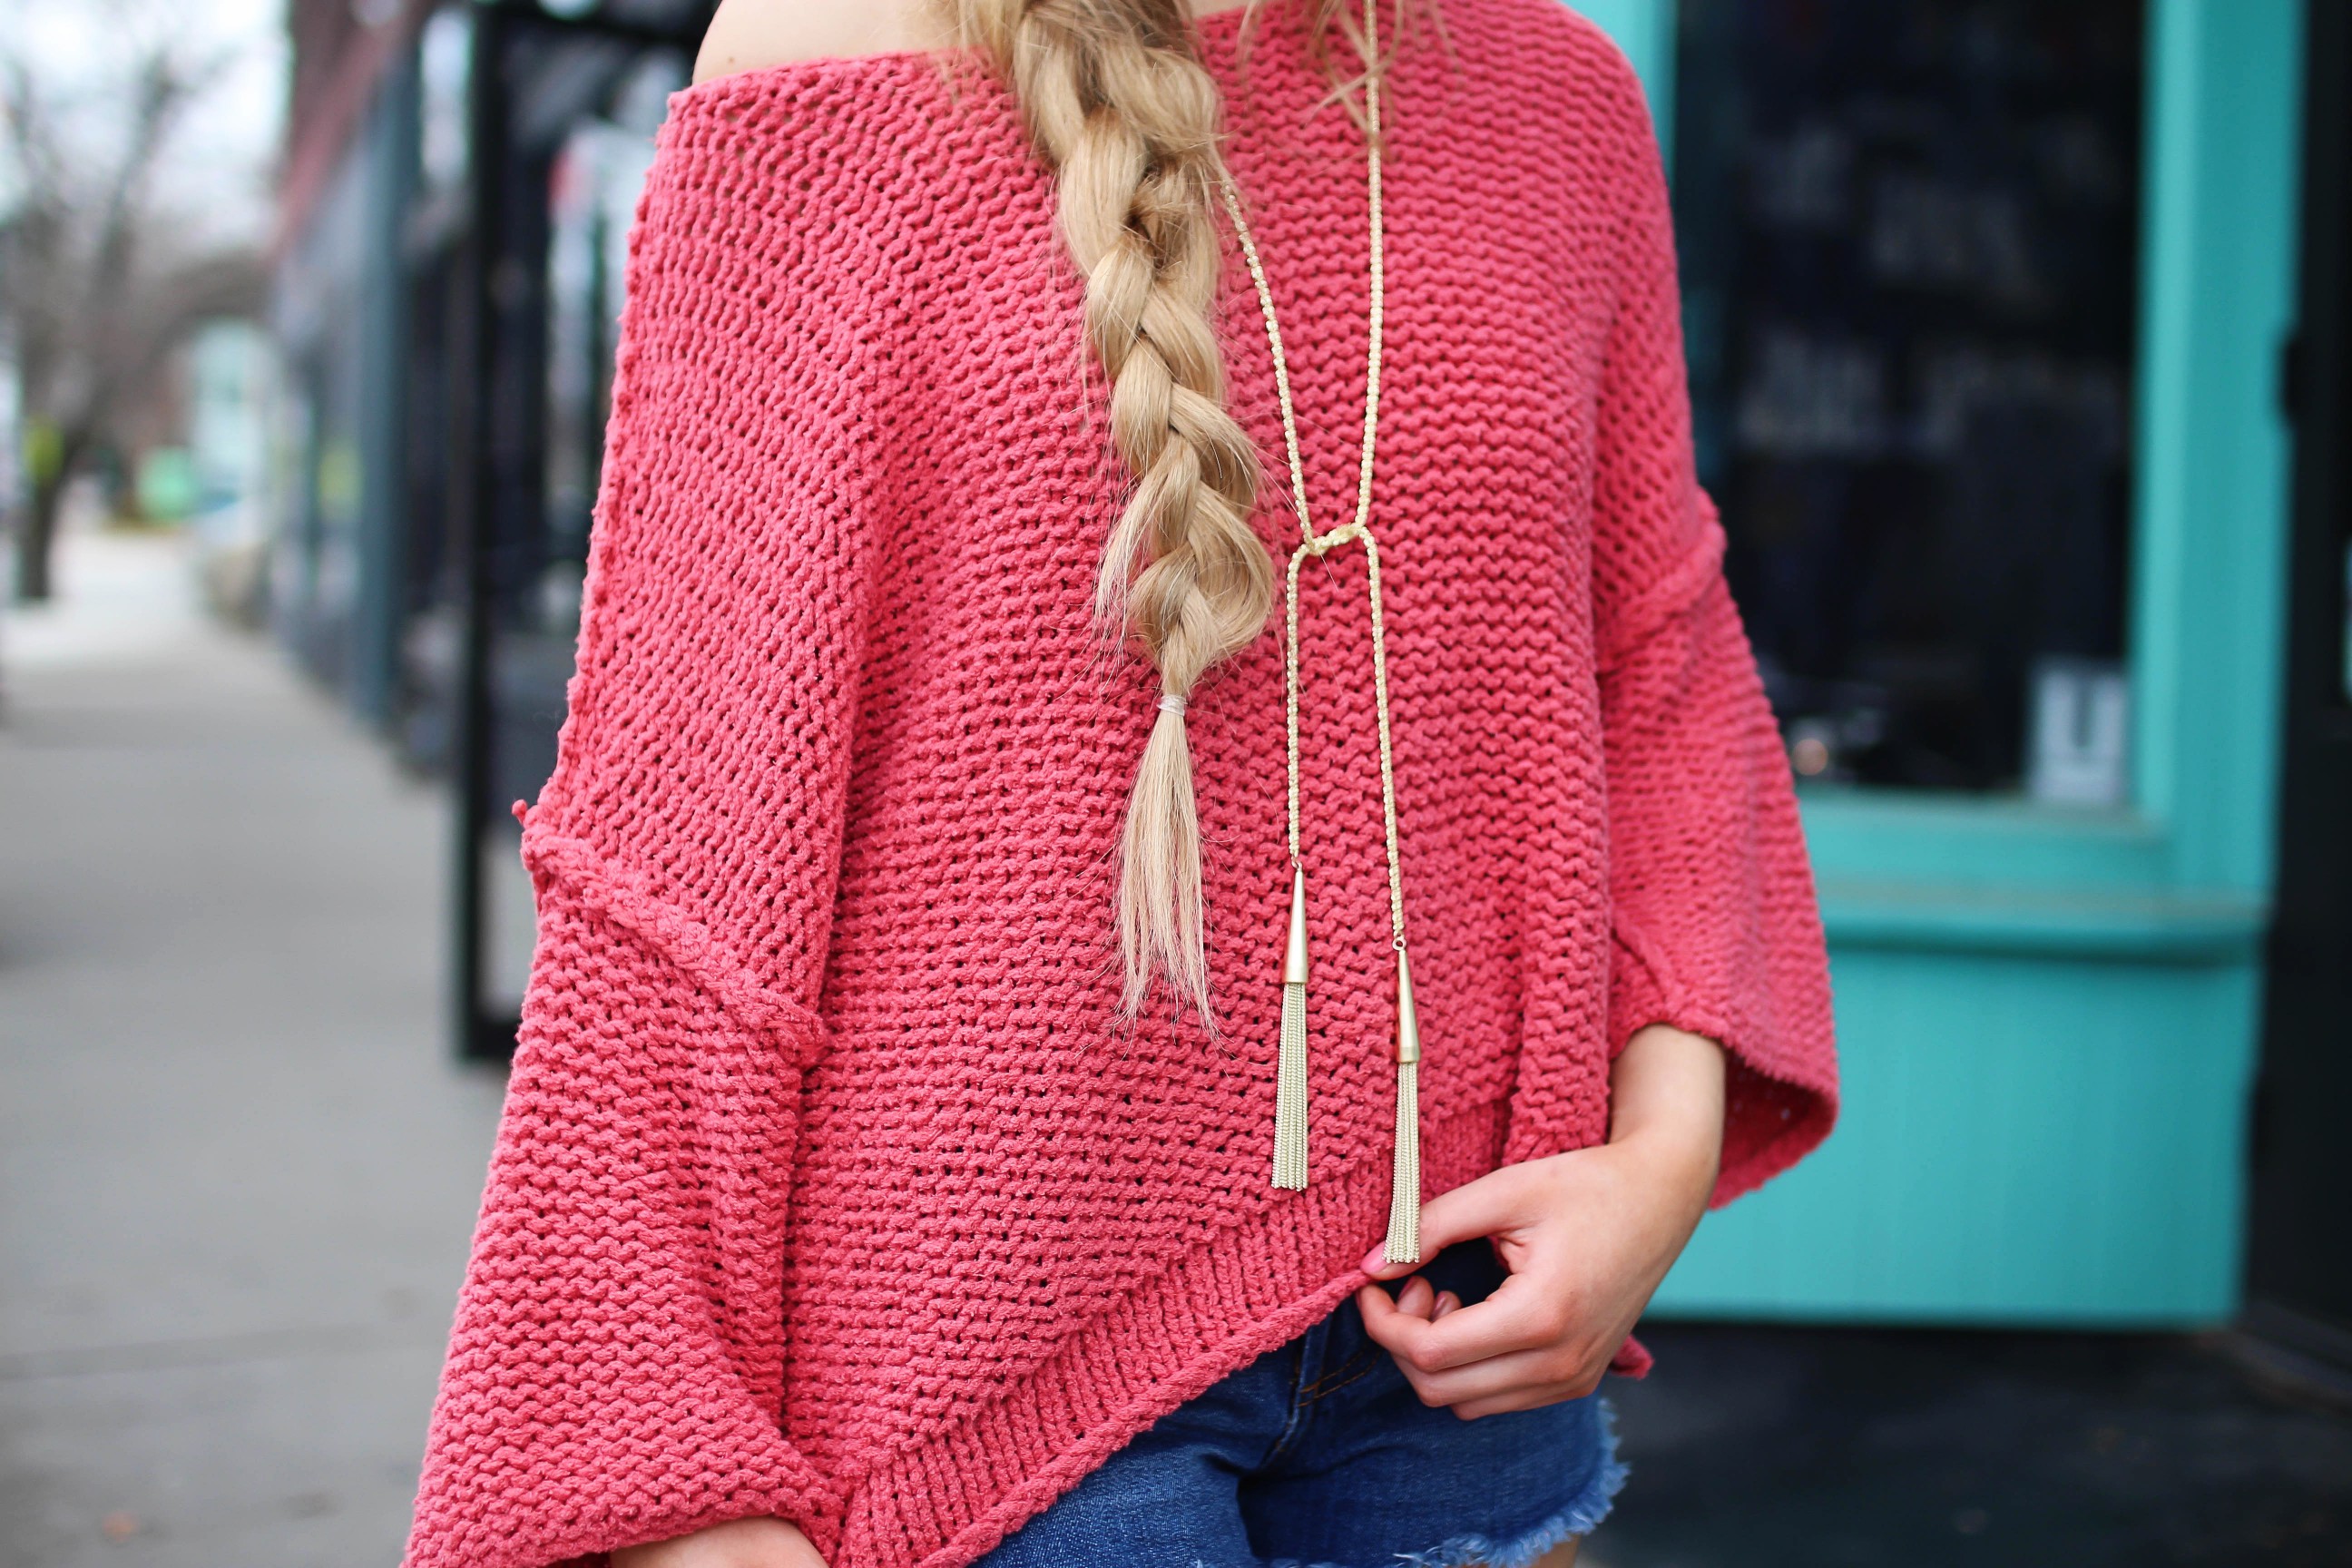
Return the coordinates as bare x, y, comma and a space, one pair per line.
747, 34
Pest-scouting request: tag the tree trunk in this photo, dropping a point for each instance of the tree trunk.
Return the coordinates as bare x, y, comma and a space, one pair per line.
37, 534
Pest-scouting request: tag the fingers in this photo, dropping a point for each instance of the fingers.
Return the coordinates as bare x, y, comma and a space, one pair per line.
1517, 1317
1514, 1379
1523, 1399
1556, 1372
1525, 1344
1495, 1201
1414, 1300
756, 1543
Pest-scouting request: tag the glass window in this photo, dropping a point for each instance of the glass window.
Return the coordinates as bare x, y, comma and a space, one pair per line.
1909, 237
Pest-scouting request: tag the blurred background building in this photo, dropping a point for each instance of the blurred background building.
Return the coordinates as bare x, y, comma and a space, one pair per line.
1993, 318
2021, 373
459, 183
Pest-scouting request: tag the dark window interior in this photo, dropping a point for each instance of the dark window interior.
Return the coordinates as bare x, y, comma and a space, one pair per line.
1909, 243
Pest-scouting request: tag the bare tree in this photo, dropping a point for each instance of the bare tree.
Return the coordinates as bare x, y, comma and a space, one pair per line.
96, 288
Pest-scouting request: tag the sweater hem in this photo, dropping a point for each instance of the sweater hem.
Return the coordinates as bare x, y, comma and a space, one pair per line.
948, 1500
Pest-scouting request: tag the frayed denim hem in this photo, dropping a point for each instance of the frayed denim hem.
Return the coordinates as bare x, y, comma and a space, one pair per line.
1579, 1518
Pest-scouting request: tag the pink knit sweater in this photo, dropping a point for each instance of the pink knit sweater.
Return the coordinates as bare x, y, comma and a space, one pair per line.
829, 1186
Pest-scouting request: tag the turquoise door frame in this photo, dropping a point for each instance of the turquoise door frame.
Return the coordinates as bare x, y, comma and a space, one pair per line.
2048, 1016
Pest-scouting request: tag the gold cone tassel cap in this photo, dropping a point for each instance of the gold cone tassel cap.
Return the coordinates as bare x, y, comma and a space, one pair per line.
1290, 1068
1293, 955
1408, 1027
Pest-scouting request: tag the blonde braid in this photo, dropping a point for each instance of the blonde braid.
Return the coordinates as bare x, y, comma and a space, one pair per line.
1125, 113
1118, 104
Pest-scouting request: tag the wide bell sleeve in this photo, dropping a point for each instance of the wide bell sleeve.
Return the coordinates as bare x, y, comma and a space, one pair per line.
1715, 925
614, 1373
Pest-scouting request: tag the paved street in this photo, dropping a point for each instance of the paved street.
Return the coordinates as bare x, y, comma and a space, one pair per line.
237, 1174
1791, 1447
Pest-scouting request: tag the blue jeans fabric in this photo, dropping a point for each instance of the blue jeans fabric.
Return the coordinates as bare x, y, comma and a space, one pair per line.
1318, 1453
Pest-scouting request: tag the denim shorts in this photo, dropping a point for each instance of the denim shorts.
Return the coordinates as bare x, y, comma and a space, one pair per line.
1319, 1453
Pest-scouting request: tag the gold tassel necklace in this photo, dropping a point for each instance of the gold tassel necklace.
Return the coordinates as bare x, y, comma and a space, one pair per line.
1403, 1244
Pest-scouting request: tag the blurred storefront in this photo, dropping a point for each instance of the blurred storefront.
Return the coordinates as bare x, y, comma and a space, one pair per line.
1988, 308
460, 181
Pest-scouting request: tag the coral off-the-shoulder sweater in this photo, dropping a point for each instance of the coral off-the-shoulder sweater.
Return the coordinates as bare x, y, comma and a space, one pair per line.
829, 1185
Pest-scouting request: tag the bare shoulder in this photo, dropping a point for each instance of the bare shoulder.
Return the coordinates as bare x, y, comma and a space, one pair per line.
747, 34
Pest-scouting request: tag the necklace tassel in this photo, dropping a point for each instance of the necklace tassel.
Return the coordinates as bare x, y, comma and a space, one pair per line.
1290, 1081
1290, 1094
1404, 1185
1290, 1068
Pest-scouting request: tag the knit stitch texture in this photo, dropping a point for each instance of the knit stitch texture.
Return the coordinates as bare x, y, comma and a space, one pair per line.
829, 1185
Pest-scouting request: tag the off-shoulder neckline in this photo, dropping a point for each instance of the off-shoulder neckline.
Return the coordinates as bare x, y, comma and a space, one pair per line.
878, 62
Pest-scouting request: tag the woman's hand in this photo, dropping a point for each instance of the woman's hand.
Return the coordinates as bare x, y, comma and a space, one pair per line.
739, 1544
1586, 1236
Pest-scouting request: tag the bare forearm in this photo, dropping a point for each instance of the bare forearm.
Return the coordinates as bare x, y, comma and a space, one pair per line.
1666, 1092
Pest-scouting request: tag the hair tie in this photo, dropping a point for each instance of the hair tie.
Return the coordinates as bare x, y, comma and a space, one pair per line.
1171, 703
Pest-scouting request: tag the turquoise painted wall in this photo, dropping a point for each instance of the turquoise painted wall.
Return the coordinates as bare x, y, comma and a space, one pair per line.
2047, 1017
1644, 29
2025, 1139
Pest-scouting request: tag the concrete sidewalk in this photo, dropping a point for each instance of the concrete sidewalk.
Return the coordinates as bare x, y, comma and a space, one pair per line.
237, 1172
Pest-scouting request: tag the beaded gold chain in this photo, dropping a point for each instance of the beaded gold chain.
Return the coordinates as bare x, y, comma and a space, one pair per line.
1403, 1242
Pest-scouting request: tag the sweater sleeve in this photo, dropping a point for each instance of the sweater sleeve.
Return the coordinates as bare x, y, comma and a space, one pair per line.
614, 1376
1714, 923
614, 1373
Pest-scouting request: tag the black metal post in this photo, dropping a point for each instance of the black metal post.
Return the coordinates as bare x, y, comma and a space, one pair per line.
473, 538
2299, 1271
479, 482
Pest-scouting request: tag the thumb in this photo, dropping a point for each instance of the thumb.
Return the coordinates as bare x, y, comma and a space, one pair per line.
1475, 1208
